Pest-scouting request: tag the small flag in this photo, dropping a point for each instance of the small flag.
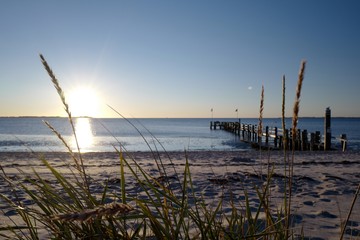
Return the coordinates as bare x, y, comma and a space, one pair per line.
211, 110
236, 110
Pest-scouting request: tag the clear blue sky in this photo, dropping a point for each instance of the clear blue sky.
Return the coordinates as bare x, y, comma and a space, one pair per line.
181, 58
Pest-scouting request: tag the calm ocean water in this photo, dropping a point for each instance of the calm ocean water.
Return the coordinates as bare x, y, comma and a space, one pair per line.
100, 135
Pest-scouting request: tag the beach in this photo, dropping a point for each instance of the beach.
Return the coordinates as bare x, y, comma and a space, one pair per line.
324, 183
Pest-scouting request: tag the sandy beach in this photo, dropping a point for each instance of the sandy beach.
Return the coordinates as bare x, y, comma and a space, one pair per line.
323, 189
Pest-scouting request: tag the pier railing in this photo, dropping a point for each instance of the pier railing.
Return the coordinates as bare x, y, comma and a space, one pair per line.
273, 137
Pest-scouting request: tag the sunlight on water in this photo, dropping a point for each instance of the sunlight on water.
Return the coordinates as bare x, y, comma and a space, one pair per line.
84, 134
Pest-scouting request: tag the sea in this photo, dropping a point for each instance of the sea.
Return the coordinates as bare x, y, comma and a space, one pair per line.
22, 134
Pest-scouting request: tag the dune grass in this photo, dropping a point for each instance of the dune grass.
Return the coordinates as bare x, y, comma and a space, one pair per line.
160, 210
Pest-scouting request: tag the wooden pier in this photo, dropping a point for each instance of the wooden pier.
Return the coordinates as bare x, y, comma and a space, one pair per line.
273, 137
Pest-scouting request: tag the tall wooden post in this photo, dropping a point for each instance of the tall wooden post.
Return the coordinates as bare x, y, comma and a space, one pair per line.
327, 130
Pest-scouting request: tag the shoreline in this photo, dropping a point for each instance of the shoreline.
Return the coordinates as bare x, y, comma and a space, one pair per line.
299, 156
250, 150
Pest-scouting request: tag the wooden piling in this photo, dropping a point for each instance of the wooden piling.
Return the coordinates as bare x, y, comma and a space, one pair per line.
312, 141
327, 130
299, 139
281, 142
254, 133
304, 137
343, 140
267, 135
315, 141
287, 141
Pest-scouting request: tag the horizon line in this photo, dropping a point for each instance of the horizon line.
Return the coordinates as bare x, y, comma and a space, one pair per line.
24, 116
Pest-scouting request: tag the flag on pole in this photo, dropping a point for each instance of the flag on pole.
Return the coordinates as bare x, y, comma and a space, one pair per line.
236, 110
211, 110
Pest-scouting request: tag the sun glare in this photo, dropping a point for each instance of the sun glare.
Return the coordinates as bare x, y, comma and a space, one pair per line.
83, 102
84, 135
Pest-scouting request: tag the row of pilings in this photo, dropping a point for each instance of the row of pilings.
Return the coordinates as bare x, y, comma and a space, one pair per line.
278, 138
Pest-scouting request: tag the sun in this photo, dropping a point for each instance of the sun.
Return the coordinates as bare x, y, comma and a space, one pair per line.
83, 102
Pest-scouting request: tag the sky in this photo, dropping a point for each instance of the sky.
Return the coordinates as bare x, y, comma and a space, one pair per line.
179, 59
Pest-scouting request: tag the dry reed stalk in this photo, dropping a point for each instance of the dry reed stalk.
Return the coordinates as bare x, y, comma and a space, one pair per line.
107, 210
56, 85
260, 128
283, 111
294, 126
67, 110
297, 100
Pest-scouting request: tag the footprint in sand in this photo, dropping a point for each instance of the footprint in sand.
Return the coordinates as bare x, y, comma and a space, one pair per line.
11, 213
309, 203
326, 214
330, 192
352, 232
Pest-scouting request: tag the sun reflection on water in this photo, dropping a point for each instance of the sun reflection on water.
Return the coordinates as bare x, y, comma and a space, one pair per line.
84, 134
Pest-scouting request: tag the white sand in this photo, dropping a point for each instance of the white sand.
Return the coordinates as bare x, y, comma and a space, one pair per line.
323, 189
